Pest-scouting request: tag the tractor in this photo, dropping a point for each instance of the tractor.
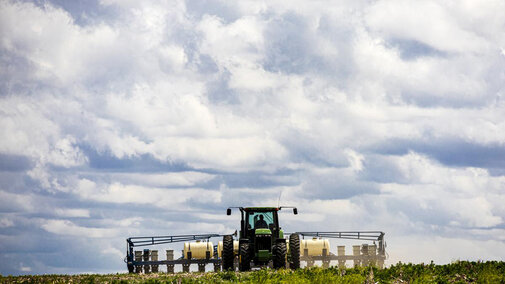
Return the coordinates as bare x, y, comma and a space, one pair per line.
261, 241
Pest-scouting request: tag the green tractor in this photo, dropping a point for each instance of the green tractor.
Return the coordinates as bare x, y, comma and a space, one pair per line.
261, 240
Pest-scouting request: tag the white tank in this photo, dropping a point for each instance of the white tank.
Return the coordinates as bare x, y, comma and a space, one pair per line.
198, 249
220, 248
315, 246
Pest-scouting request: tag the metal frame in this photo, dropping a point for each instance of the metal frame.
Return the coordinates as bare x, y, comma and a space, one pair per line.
375, 236
133, 242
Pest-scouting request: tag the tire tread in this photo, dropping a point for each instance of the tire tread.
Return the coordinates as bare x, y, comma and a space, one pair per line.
294, 251
228, 254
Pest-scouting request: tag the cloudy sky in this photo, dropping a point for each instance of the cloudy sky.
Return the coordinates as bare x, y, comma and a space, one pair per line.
123, 118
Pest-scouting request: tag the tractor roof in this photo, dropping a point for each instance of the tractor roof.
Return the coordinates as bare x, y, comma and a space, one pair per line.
261, 209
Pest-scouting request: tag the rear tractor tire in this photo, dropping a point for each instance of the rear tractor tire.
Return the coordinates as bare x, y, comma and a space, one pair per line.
245, 257
294, 251
279, 257
228, 254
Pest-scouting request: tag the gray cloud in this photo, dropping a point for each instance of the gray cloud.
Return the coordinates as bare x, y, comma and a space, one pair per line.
14, 163
450, 152
83, 12
411, 49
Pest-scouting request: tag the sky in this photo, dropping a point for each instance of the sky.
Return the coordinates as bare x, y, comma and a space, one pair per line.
132, 118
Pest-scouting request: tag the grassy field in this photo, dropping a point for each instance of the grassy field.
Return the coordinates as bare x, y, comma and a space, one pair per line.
457, 272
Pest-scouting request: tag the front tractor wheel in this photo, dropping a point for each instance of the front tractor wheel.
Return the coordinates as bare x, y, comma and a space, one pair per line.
279, 255
245, 257
228, 253
294, 251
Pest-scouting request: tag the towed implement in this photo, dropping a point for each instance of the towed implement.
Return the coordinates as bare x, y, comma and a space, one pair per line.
260, 242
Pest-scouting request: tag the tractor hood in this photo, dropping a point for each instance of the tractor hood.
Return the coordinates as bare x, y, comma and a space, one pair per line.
263, 232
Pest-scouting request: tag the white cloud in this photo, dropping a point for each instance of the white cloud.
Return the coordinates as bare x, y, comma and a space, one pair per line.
68, 228
233, 45
417, 249
30, 131
134, 194
339, 207
60, 51
125, 223
17, 202
24, 268
166, 179
355, 159
428, 22
481, 214
6, 222
433, 189
69, 213
66, 154
113, 251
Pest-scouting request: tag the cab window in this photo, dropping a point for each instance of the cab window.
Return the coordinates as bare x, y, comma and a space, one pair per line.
255, 222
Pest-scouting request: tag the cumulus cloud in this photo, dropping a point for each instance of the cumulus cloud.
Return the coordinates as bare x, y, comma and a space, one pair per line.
5, 222
160, 197
124, 118
68, 213
64, 227
427, 22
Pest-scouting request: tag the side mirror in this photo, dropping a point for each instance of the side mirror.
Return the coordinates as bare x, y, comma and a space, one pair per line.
295, 211
228, 211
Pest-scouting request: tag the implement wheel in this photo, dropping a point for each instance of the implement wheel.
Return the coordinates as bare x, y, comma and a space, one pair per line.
294, 251
130, 268
279, 257
245, 257
228, 253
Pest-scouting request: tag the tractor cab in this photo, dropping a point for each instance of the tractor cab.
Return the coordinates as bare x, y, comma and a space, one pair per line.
260, 221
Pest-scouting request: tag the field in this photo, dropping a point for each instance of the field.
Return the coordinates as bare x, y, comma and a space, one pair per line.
457, 272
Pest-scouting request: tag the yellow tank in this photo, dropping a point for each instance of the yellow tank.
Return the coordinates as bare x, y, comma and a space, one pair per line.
220, 248
198, 249
315, 246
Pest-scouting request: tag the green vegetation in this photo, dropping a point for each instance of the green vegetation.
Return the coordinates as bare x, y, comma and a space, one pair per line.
457, 272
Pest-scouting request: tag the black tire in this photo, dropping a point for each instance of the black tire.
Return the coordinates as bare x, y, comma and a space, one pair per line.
245, 257
228, 253
130, 268
279, 257
294, 251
